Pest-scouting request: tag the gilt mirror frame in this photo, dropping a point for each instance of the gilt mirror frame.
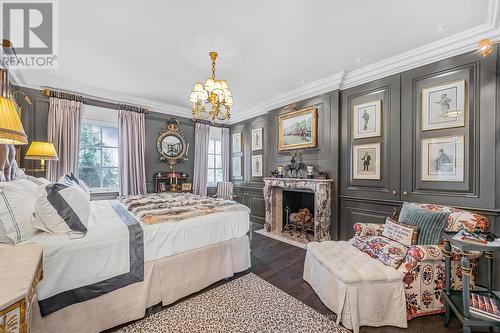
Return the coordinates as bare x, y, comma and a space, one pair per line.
172, 129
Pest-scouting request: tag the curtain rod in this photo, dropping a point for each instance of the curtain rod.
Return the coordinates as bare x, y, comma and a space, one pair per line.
208, 122
92, 100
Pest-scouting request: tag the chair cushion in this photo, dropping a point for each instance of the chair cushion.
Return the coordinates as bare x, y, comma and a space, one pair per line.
385, 250
350, 265
405, 234
431, 223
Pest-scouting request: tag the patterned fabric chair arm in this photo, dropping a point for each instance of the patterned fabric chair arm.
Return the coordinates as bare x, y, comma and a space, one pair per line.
456, 254
420, 253
368, 229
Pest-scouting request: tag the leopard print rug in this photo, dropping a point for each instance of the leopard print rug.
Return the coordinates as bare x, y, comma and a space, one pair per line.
247, 304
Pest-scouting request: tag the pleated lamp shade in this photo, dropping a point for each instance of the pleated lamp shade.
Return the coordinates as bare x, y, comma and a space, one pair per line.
11, 128
39, 150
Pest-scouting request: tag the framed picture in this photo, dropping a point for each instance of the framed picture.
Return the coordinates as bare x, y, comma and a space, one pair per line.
186, 186
237, 142
257, 166
237, 166
443, 106
257, 139
366, 161
367, 120
298, 129
443, 159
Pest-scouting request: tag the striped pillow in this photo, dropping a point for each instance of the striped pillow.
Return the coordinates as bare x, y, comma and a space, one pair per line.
62, 208
431, 224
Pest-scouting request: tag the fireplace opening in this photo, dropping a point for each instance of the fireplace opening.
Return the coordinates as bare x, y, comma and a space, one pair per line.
298, 213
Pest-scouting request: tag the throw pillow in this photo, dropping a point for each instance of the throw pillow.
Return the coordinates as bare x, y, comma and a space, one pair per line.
405, 234
17, 204
62, 208
430, 223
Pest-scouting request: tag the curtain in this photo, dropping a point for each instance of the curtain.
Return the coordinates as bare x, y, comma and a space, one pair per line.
131, 133
226, 155
63, 127
201, 138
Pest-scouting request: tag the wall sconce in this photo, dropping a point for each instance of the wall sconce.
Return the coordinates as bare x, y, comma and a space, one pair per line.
486, 47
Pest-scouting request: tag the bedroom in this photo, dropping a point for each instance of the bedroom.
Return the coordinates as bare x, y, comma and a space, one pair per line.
293, 166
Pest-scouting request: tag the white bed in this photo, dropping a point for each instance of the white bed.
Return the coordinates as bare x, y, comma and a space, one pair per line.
80, 262
215, 246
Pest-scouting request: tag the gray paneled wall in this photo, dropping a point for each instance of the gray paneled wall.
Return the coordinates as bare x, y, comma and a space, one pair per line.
325, 156
34, 120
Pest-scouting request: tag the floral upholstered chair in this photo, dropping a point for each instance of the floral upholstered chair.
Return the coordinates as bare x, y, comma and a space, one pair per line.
423, 265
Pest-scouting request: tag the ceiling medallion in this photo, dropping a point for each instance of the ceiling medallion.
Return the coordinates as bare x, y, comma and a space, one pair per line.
216, 93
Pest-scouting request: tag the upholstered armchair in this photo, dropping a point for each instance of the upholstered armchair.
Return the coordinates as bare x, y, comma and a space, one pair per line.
423, 265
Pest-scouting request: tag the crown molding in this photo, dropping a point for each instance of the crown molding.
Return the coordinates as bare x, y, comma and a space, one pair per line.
155, 106
459, 43
456, 44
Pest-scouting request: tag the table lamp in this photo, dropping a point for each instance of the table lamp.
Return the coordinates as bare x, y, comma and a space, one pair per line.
39, 150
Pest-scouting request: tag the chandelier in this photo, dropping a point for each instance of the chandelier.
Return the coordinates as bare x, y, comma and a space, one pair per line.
215, 97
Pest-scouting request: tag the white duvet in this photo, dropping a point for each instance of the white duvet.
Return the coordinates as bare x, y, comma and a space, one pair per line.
103, 252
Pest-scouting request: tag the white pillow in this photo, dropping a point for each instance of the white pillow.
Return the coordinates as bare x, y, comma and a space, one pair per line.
17, 204
62, 208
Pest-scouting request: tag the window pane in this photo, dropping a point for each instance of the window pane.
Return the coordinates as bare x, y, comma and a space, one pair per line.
90, 135
219, 175
90, 156
110, 178
218, 161
110, 157
211, 161
218, 147
211, 175
90, 176
110, 136
211, 148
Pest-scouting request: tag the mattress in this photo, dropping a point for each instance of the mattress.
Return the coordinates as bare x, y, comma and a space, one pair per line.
72, 263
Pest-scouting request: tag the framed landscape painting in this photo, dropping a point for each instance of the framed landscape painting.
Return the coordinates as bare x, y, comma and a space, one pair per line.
444, 106
298, 129
366, 161
443, 159
367, 121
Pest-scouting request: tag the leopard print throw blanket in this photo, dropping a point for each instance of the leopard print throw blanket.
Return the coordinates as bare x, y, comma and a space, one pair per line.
171, 207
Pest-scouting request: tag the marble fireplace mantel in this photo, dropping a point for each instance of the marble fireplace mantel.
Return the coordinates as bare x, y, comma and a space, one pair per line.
273, 198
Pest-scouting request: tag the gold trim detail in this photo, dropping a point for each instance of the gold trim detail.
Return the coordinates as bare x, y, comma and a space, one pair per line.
314, 129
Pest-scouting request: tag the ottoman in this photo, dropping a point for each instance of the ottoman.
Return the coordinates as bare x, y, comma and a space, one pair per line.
358, 288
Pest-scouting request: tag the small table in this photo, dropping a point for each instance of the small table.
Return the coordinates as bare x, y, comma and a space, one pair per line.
459, 301
20, 272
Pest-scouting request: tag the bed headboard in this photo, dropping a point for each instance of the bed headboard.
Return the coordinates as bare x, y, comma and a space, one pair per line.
8, 164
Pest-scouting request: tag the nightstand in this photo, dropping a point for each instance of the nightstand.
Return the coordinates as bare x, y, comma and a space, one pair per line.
20, 271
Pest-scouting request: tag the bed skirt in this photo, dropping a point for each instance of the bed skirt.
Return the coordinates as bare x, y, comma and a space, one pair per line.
165, 280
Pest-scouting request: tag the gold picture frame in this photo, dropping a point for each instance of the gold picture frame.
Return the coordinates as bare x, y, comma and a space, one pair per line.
292, 140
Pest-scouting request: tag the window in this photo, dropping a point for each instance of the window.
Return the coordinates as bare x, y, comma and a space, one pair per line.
98, 158
214, 173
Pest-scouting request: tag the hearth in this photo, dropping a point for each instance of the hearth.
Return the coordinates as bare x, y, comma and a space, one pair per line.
298, 215
320, 189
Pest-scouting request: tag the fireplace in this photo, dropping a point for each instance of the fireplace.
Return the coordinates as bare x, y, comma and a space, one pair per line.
298, 213
277, 190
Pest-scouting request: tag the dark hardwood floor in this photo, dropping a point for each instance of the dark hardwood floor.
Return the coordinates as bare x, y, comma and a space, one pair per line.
282, 265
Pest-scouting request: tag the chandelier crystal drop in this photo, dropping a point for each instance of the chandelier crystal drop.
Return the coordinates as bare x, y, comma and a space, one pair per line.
214, 97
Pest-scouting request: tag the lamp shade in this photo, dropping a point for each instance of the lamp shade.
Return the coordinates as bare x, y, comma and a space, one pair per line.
39, 150
11, 128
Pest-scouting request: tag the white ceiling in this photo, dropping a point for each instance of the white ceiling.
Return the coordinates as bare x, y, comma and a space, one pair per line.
151, 52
